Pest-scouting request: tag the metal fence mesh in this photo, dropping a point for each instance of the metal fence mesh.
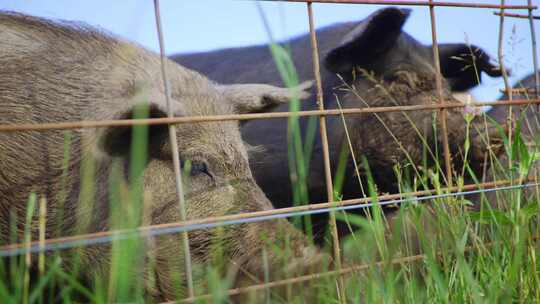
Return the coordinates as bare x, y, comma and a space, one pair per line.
331, 206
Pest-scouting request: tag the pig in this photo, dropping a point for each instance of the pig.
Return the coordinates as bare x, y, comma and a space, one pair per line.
59, 71
371, 63
527, 119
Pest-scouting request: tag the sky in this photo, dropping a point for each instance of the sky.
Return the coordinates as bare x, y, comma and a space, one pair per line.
201, 25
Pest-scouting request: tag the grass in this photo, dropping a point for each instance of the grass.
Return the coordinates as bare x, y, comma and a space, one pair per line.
487, 255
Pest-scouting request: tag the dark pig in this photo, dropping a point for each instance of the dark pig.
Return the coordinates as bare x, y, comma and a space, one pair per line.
527, 119
378, 65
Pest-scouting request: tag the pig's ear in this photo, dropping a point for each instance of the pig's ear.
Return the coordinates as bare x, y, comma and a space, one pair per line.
462, 65
370, 39
256, 98
117, 141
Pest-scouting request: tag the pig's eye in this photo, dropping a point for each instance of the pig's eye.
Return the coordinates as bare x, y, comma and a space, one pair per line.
196, 167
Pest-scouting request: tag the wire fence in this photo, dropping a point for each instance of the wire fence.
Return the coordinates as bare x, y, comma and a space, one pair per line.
252, 116
185, 226
237, 219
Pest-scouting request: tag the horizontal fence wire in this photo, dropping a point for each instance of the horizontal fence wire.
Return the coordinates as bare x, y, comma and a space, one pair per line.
413, 3
243, 218
523, 16
520, 91
240, 117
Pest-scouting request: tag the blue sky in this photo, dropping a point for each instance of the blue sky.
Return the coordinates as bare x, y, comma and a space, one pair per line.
197, 25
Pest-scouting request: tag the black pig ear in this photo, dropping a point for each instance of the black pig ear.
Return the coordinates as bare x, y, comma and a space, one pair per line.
462, 65
371, 38
117, 141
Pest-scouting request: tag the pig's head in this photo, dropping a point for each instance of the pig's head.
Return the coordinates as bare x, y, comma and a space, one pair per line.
380, 46
384, 66
527, 115
527, 119
217, 180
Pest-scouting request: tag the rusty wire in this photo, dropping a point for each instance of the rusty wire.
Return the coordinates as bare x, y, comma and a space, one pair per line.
520, 91
438, 82
175, 153
523, 16
326, 152
249, 217
412, 3
507, 86
240, 117
535, 56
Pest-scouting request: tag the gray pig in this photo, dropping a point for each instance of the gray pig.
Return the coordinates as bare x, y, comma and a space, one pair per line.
63, 71
380, 66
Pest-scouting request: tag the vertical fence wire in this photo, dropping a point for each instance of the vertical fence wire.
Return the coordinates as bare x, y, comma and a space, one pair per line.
535, 56
507, 87
175, 154
326, 153
438, 81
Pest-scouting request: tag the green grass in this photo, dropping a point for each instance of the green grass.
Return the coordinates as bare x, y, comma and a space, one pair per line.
485, 256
